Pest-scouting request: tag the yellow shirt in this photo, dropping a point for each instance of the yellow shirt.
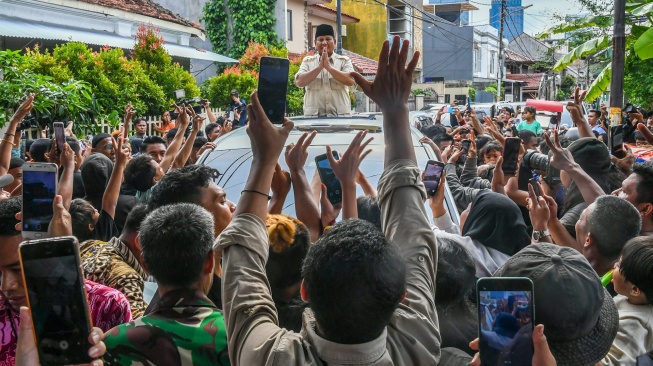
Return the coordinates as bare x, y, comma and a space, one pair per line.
326, 96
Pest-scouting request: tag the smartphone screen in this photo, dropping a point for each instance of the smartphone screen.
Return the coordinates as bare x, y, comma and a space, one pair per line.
432, 176
272, 87
59, 136
536, 187
464, 145
57, 300
505, 315
469, 105
617, 141
510, 155
39, 189
329, 179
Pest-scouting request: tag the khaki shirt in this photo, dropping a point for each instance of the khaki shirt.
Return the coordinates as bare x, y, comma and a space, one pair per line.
326, 96
411, 338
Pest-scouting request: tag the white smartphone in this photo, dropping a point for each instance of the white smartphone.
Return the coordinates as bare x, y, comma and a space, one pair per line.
39, 189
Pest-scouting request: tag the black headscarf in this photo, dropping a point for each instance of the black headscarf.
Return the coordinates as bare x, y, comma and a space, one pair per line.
96, 171
495, 221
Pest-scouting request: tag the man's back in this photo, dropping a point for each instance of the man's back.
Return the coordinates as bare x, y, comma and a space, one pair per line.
185, 328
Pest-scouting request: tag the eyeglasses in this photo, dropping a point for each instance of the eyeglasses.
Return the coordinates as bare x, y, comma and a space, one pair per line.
108, 147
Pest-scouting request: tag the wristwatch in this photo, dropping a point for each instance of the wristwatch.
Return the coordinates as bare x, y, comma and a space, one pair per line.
537, 235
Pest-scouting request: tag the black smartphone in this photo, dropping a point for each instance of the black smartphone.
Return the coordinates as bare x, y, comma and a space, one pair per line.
39, 189
536, 188
511, 147
469, 105
432, 176
617, 141
56, 296
273, 86
506, 318
464, 146
329, 179
59, 136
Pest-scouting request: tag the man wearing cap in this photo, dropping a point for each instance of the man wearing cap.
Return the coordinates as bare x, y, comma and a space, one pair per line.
239, 106
325, 76
103, 144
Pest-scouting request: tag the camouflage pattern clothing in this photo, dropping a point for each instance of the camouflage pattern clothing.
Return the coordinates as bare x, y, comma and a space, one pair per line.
185, 328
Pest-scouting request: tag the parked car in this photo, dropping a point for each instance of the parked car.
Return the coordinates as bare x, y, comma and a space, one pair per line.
232, 156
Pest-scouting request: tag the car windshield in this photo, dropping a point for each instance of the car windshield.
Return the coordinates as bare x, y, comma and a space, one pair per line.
232, 156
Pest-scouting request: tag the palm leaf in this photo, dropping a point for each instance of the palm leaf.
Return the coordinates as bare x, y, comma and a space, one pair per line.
600, 84
587, 48
587, 22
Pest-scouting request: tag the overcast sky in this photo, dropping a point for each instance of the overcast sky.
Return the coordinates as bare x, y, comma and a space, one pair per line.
537, 18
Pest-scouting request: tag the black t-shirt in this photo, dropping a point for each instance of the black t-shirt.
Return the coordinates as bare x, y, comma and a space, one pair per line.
105, 228
522, 183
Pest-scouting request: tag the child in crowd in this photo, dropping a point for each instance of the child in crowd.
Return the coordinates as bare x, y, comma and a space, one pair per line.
632, 281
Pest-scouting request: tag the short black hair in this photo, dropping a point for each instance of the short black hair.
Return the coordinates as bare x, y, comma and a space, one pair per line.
210, 127
175, 254
645, 185
490, 146
369, 210
171, 134
455, 277
441, 138
139, 172
38, 149
8, 210
355, 279
81, 214
182, 185
595, 111
613, 222
482, 140
150, 140
139, 120
433, 130
135, 218
71, 141
526, 135
637, 264
199, 142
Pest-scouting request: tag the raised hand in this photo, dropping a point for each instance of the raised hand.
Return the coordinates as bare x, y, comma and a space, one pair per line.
346, 168
562, 158
67, 158
24, 109
296, 154
267, 139
122, 156
538, 209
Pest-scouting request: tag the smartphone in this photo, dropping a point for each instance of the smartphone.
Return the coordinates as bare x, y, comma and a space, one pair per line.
506, 320
273, 86
617, 141
464, 145
56, 296
59, 136
329, 179
39, 189
469, 105
510, 155
536, 188
432, 176
450, 110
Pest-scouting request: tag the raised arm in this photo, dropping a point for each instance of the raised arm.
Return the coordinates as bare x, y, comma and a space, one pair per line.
175, 145
305, 205
65, 187
209, 113
129, 113
187, 148
401, 191
7, 142
346, 169
576, 112
110, 197
280, 188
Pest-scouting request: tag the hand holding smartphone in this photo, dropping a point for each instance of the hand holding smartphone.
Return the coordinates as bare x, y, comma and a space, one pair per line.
56, 298
464, 146
329, 179
432, 176
59, 136
273, 86
506, 320
39, 189
511, 148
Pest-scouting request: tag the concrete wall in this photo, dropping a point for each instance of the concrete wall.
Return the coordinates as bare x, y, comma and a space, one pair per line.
298, 42
447, 53
364, 38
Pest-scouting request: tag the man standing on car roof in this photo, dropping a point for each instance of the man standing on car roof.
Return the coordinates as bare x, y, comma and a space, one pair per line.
326, 78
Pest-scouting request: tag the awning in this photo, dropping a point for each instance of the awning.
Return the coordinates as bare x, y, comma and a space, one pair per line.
545, 105
14, 27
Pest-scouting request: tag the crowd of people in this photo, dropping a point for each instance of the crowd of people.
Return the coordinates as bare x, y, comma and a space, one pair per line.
241, 283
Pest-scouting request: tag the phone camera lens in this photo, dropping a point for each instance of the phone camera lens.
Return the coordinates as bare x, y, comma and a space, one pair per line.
63, 345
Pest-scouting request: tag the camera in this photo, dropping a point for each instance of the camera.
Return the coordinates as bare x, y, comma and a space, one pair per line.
27, 123
534, 160
195, 103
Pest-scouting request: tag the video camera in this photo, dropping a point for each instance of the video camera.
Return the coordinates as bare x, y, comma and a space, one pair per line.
534, 160
28, 122
196, 103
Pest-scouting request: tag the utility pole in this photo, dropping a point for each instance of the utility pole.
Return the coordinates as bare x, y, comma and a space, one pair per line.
339, 26
499, 61
618, 62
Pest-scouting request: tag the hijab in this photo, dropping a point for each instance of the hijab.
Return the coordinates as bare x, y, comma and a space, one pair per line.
495, 221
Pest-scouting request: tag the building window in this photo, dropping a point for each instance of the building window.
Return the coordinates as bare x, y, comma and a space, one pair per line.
493, 56
477, 59
289, 25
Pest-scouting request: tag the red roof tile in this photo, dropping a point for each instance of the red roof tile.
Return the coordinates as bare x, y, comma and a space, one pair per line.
331, 10
517, 57
145, 7
531, 81
362, 64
